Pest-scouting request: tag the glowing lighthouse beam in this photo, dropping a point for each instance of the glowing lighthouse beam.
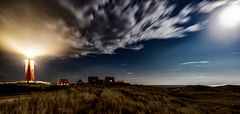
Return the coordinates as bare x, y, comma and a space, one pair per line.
31, 54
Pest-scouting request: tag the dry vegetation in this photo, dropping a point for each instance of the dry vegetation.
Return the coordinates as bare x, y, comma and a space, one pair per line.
122, 99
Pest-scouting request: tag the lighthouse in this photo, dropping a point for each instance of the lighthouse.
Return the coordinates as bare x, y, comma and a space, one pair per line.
29, 70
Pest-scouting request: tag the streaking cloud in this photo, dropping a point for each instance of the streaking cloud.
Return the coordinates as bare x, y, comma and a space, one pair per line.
195, 62
80, 27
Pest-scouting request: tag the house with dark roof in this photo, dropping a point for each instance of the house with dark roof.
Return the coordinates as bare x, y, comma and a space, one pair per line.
63, 82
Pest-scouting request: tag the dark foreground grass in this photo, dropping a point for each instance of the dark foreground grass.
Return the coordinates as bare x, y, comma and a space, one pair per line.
122, 99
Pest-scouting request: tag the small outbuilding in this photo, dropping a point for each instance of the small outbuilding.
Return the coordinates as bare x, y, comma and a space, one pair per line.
120, 81
93, 80
63, 82
109, 80
79, 82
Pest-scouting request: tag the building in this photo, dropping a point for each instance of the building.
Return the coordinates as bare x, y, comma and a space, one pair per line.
79, 82
29, 70
120, 81
63, 82
109, 80
93, 80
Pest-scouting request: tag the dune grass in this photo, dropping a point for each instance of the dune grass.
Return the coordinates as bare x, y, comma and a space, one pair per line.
109, 100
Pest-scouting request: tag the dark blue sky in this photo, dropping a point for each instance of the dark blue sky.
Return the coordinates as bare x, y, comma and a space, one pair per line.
184, 45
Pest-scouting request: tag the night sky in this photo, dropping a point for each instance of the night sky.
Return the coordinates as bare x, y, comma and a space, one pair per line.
153, 42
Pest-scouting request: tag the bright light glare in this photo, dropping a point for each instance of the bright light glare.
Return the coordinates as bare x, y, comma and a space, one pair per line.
30, 54
33, 37
230, 17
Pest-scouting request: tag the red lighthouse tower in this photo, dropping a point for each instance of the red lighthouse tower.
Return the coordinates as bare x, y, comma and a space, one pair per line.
29, 70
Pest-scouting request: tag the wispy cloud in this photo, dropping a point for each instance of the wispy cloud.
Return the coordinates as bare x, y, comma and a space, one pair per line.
195, 62
137, 47
102, 26
236, 53
207, 77
154, 20
124, 64
129, 73
175, 69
